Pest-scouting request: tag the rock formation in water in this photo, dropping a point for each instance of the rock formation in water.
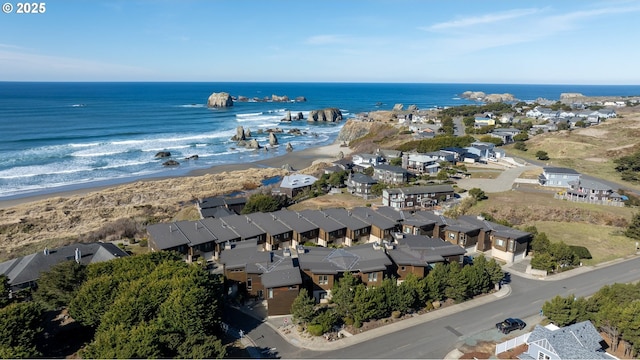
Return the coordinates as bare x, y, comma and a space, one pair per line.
327, 115
220, 100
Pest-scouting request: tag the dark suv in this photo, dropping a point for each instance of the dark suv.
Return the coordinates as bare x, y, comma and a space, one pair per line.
510, 324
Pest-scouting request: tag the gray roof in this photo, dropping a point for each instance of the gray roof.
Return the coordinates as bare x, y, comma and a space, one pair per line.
577, 341
371, 217
243, 225
559, 170
275, 269
216, 212
211, 202
430, 215
322, 220
389, 168
269, 223
421, 189
220, 230
591, 184
297, 181
420, 250
390, 213
346, 218
195, 232
361, 178
166, 236
28, 268
295, 221
360, 258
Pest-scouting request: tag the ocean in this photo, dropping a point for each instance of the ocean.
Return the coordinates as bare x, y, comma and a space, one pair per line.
62, 136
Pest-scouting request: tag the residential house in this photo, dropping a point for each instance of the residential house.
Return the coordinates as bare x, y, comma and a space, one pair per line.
484, 150
224, 235
482, 241
330, 231
509, 244
390, 174
24, 272
190, 238
444, 155
480, 121
463, 234
558, 177
416, 196
505, 134
263, 274
415, 224
586, 190
382, 228
360, 184
389, 154
292, 185
356, 230
577, 341
440, 222
421, 163
367, 160
506, 118
220, 206
321, 267
303, 230
278, 234
417, 254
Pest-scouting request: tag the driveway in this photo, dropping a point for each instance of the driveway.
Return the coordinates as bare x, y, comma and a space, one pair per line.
504, 181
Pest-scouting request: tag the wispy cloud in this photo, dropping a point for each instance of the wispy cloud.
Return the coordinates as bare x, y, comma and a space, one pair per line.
14, 63
483, 19
326, 39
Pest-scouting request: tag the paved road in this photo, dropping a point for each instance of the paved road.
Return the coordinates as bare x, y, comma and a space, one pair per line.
435, 339
503, 182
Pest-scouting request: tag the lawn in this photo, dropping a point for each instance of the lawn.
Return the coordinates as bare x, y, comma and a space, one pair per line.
343, 200
604, 242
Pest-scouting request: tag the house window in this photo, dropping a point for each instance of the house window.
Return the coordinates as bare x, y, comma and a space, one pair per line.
372, 277
452, 235
270, 293
323, 279
543, 356
286, 235
512, 245
500, 242
249, 283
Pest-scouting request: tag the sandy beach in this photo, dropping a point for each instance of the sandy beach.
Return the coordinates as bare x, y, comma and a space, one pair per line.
103, 212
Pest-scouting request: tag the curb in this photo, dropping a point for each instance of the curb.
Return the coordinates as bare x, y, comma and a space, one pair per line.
504, 291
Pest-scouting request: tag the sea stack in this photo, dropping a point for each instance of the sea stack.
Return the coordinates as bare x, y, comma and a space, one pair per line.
220, 100
273, 140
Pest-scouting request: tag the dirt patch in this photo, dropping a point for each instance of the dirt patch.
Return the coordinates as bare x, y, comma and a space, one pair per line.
482, 350
594, 132
596, 159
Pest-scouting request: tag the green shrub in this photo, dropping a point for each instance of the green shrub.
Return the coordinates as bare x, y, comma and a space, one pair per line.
348, 320
581, 251
143, 242
315, 330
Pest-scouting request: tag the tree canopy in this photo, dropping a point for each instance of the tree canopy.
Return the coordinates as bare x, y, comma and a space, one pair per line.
264, 203
152, 305
59, 285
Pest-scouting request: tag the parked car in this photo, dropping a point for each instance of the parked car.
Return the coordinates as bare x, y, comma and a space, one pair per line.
510, 324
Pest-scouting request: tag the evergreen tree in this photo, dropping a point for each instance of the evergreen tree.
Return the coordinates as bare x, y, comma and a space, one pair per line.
303, 307
20, 324
58, 286
633, 230
343, 294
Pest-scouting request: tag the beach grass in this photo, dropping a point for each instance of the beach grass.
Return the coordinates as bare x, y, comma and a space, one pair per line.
605, 243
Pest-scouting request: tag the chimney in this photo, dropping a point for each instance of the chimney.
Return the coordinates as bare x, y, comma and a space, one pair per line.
77, 255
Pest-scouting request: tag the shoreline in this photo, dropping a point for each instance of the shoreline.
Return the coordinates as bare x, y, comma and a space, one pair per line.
298, 160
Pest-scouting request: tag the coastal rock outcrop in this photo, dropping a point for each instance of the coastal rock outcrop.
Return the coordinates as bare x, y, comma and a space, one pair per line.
278, 98
220, 100
289, 147
247, 133
299, 116
301, 99
170, 163
412, 108
491, 98
253, 144
192, 157
163, 154
398, 107
273, 140
353, 130
239, 136
327, 115
287, 117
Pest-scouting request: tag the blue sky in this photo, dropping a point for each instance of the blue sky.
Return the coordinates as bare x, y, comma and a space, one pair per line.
528, 42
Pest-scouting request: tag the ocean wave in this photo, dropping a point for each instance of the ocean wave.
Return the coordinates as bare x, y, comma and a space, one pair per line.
249, 114
84, 145
192, 105
39, 170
